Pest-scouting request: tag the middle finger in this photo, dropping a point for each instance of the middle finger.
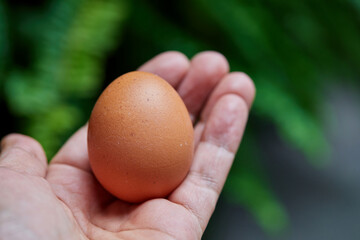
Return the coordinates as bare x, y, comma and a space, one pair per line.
206, 70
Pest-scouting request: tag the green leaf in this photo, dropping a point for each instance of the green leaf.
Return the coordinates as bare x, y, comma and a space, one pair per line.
92, 34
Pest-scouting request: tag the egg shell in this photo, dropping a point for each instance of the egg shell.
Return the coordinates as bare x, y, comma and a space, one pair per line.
140, 138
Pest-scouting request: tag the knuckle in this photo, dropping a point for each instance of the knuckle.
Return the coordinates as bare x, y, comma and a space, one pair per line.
206, 181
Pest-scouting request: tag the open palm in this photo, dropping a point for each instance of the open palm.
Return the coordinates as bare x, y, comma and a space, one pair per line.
63, 200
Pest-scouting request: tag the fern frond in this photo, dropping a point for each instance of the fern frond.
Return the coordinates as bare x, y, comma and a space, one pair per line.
68, 67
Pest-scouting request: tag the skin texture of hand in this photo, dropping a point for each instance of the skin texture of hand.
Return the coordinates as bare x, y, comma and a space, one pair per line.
63, 200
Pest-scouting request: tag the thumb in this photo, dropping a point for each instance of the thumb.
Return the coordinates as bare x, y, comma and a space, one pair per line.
23, 154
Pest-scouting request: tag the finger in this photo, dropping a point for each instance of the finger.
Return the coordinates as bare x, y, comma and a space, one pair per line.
74, 152
213, 158
23, 154
226, 123
237, 83
171, 66
206, 70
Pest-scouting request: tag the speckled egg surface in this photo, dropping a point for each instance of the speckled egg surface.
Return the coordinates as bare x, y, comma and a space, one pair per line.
140, 138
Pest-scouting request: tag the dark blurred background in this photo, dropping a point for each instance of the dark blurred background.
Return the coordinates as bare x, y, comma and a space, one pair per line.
296, 175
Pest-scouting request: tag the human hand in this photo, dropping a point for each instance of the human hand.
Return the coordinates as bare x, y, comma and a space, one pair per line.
63, 200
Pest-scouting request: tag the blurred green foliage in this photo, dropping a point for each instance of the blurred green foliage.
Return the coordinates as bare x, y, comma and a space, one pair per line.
56, 56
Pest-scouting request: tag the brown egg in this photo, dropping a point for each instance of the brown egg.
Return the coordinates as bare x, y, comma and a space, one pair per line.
140, 138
